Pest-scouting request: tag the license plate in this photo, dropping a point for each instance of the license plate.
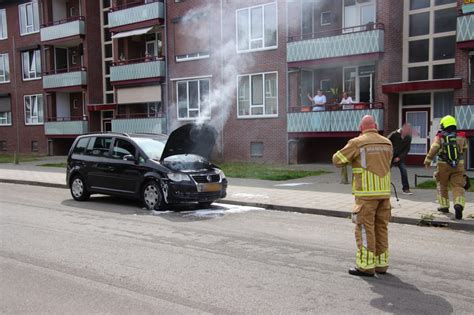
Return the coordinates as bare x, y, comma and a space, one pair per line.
209, 187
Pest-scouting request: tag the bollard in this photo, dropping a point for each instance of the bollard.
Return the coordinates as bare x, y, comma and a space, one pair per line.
344, 176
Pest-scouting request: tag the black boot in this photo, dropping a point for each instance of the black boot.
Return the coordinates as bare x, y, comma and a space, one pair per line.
458, 211
444, 210
356, 272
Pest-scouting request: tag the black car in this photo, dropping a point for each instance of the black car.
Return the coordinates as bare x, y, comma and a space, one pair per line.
158, 169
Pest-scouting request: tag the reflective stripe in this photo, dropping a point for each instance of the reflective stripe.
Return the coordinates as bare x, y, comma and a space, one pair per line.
357, 170
365, 259
435, 145
443, 202
363, 160
372, 185
341, 157
363, 234
382, 260
460, 201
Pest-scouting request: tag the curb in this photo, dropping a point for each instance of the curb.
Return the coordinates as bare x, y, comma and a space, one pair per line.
454, 225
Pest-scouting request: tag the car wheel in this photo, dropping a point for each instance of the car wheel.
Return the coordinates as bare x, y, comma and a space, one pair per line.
205, 204
79, 189
152, 197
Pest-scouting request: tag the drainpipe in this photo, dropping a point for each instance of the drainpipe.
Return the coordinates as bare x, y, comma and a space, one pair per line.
166, 92
17, 129
222, 77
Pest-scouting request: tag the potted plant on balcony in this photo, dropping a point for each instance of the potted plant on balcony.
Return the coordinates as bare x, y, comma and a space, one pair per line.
334, 99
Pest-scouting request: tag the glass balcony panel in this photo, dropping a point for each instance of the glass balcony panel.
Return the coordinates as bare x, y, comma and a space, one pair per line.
137, 71
129, 15
139, 125
71, 127
62, 29
64, 80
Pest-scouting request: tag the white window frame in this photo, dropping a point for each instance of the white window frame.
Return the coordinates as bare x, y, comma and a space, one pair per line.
31, 74
199, 116
321, 18
359, 7
264, 89
3, 24
5, 118
431, 36
356, 93
39, 119
248, 9
6, 68
35, 27
321, 84
193, 56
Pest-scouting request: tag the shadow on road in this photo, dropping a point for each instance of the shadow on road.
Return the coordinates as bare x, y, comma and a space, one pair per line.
398, 297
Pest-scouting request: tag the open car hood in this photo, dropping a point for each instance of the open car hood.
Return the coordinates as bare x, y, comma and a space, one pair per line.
198, 139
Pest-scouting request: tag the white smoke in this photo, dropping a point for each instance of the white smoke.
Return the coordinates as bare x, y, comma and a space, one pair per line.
216, 109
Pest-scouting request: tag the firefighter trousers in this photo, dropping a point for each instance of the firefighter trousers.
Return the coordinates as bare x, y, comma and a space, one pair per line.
371, 217
445, 175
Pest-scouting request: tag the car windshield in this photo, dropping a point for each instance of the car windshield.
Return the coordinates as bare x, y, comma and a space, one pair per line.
153, 147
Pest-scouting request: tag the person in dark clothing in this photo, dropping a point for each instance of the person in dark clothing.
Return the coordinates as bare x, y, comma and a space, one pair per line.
401, 141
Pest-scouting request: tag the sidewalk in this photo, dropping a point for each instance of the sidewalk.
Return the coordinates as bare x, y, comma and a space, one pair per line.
319, 195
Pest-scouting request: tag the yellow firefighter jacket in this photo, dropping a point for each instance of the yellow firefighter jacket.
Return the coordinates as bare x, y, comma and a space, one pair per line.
437, 148
370, 155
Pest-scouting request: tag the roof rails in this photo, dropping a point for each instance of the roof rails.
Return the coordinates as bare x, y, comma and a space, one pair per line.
107, 133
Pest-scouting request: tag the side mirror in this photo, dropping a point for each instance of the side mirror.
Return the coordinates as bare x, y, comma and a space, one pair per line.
129, 157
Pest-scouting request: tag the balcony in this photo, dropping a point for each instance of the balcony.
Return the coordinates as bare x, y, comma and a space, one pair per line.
144, 69
63, 29
359, 40
464, 113
465, 28
139, 12
67, 126
302, 120
139, 123
65, 78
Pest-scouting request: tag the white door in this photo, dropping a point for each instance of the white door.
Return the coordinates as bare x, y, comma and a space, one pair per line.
419, 120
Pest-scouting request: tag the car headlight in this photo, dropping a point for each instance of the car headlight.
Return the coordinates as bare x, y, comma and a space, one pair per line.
178, 177
221, 174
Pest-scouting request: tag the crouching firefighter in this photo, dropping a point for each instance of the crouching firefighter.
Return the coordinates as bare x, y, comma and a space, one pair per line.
449, 145
370, 155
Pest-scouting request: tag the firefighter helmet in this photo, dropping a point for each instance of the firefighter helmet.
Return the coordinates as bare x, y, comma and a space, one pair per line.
447, 121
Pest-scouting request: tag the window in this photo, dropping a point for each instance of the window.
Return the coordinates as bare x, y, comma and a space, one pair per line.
257, 95
358, 13
4, 68
31, 61
34, 109
29, 17
3, 24
417, 99
418, 73
81, 146
445, 20
3, 145
444, 48
257, 28
122, 148
99, 146
325, 85
419, 4
420, 24
193, 98
326, 18
419, 50
256, 149
443, 71
75, 104
442, 2
34, 146
194, 56
5, 118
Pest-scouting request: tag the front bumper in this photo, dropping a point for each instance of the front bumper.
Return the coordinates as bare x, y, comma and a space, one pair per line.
189, 192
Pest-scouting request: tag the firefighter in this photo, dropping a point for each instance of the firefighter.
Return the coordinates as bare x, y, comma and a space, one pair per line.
370, 155
449, 145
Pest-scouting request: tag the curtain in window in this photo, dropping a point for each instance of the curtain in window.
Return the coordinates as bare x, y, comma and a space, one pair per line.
257, 89
271, 94
244, 96
270, 25
204, 97
443, 104
256, 28
4, 68
3, 24
243, 29
182, 100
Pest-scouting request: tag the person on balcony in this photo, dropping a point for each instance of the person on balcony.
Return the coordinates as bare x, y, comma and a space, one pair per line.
346, 101
319, 101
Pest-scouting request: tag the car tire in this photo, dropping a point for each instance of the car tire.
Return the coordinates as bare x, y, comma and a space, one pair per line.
78, 188
205, 204
152, 197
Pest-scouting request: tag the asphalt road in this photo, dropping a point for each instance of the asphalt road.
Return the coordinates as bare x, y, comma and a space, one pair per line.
110, 256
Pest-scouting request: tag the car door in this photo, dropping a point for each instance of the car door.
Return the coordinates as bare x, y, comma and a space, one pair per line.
127, 174
99, 171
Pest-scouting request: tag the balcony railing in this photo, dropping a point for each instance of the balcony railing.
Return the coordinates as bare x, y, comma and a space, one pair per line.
464, 113
465, 28
139, 123
62, 29
301, 120
66, 126
137, 69
136, 12
63, 78
357, 40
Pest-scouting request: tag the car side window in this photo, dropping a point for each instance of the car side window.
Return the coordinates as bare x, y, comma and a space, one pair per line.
81, 146
100, 147
122, 148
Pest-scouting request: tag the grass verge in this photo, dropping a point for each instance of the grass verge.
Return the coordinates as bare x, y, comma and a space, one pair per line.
431, 184
267, 172
60, 164
6, 158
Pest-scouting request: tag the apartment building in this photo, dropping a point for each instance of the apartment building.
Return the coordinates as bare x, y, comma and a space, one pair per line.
247, 67
22, 109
